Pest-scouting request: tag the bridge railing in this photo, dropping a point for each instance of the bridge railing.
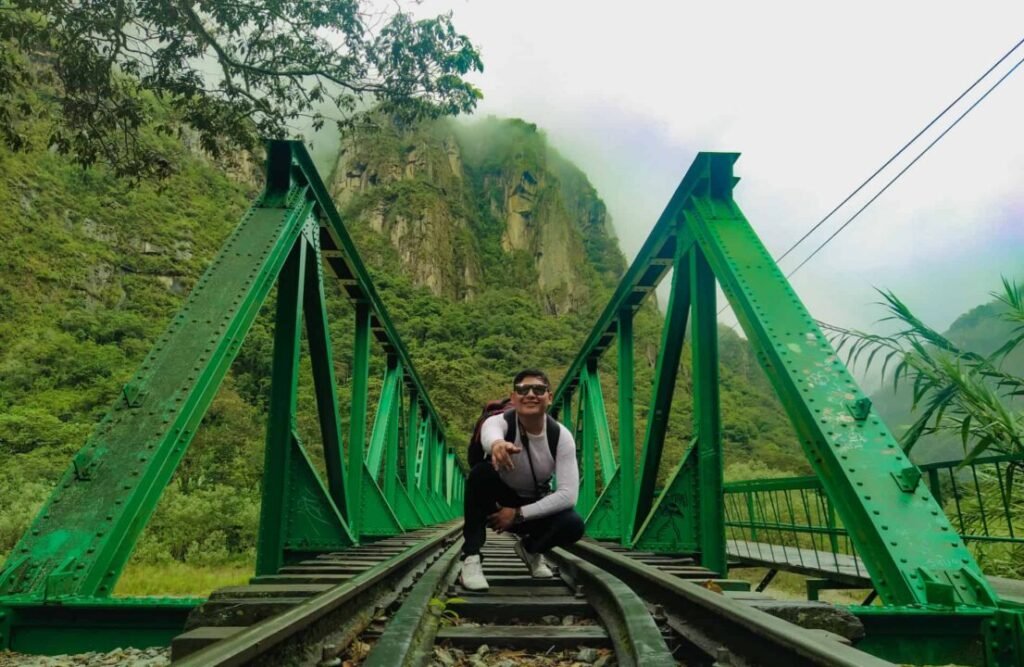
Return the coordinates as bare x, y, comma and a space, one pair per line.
788, 520
985, 503
792, 519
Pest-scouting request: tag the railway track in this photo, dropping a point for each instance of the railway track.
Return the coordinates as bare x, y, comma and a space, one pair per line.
603, 605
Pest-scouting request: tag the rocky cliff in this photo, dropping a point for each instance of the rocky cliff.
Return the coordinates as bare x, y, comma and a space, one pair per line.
489, 202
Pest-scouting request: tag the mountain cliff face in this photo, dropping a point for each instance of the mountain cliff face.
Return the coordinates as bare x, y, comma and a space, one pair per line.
470, 205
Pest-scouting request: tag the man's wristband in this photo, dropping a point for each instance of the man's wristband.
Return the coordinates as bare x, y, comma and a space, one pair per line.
519, 516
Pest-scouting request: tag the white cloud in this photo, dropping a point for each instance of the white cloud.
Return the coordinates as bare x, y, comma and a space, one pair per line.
815, 96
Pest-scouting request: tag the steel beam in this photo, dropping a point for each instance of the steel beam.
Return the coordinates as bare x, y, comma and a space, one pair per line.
391, 451
321, 357
383, 420
666, 369
588, 481
707, 421
602, 435
908, 545
284, 385
627, 451
84, 534
357, 418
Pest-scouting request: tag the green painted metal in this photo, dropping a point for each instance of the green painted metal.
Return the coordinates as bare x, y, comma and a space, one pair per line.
283, 401
322, 362
588, 475
925, 636
391, 453
312, 521
79, 626
603, 514
358, 412
627, 453
796, 511
377, 517
978, 497
381, 433
419, 455
78, 544
665, 373
602, 435
604, 522
409, 515
412, 439
1004, 639
911, 551
707, 414
673, 524
297, 513
84, 534
855, 455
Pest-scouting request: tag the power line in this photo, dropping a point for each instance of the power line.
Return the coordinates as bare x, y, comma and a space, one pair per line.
904, 170
899, 152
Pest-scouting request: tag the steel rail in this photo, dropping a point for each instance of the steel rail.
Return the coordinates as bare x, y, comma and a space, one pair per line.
637, 640
718, 625
636, 637
261, 638
410, 632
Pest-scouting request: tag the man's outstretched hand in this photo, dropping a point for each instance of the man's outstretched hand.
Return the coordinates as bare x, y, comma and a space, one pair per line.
502, 519
501, 455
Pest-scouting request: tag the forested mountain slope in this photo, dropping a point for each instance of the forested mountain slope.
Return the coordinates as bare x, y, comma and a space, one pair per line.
490, 251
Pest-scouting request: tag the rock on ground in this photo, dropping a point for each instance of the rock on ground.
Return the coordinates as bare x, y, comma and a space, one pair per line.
136, 657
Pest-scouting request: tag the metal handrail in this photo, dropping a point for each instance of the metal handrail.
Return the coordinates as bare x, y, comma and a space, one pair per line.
978, 497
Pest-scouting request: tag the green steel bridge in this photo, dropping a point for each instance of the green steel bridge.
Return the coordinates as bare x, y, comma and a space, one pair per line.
867, 519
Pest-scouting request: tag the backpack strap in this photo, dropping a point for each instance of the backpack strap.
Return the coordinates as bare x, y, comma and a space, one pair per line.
510, 422
554, 432
553, 428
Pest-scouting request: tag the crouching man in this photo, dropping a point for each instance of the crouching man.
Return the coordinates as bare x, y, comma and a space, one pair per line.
510, 490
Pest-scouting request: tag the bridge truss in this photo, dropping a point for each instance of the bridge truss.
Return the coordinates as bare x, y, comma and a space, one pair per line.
55, 590
917, 563
64, 568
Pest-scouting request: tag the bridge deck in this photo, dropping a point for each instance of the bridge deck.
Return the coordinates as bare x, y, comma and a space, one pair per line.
839, 567
843, 568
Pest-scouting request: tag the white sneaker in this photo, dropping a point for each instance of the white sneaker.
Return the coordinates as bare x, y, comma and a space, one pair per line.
473, 574
538, 568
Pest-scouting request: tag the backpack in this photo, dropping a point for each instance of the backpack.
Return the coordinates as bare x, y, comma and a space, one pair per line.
476, 449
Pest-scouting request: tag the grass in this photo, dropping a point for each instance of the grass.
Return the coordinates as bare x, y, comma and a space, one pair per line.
180, 579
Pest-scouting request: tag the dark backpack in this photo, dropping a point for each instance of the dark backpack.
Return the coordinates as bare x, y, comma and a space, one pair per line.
476, 449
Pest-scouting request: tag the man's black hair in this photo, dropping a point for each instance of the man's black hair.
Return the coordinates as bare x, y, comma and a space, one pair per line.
531, 372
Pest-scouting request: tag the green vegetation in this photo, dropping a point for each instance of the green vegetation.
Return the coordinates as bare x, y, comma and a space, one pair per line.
959, 394
121, 76
957, 389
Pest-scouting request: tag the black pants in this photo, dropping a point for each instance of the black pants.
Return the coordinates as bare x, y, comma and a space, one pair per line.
485, 491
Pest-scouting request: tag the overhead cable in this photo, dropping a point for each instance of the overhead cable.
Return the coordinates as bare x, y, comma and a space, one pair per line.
899, 152
904, 170
896, 155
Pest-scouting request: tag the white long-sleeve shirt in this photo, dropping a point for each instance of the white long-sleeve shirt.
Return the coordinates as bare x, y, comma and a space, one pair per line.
520, 479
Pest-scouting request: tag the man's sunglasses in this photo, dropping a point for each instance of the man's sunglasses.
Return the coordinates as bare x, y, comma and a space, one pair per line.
538, 389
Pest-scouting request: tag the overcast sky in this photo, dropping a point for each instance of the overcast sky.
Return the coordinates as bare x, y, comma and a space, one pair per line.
815, 96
